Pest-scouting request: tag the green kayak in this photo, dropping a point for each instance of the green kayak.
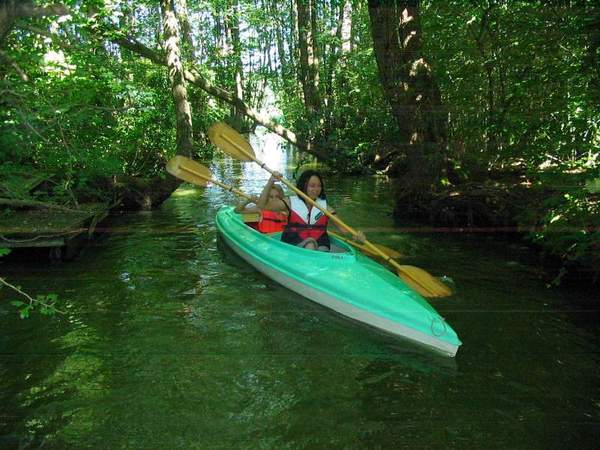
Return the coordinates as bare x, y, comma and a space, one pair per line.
348, 282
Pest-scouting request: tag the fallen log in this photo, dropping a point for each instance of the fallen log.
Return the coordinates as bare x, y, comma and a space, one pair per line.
34, 204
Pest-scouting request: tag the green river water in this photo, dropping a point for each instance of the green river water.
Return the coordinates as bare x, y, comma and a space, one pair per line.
171, 341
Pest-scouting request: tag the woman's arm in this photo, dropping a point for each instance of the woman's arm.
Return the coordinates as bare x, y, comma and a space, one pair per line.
264, 195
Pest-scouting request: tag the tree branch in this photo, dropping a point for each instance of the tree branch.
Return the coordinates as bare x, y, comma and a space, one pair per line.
28, 9
29, 297
11, 10
195, 78
35, 204
11, 62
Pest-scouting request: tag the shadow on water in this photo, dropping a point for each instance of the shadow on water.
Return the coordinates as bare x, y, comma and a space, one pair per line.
28, 360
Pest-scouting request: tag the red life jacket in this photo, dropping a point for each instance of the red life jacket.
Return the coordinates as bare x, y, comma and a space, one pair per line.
272, 222
307, 221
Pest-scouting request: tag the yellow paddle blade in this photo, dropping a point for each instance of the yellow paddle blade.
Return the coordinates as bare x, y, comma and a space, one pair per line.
230, 141
423, 282
189, 170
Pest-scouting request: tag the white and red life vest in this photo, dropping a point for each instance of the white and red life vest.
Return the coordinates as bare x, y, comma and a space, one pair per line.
307, 221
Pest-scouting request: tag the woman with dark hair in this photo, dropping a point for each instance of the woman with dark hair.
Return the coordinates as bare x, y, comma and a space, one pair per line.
307, 225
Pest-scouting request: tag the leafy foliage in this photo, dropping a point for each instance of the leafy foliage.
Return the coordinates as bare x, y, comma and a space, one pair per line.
522, 99
46, 303
519, 83
569, 228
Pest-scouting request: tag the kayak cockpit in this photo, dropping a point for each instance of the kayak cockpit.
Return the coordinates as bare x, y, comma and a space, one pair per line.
252, 218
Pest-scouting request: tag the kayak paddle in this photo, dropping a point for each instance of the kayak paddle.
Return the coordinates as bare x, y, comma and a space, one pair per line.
193, 172
389, 251
231, 142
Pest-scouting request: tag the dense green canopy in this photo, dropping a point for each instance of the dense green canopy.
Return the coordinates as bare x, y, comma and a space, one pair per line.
438, 94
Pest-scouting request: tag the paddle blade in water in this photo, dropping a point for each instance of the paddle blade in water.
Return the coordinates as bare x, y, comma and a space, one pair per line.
188, 170
230, 141
423, 282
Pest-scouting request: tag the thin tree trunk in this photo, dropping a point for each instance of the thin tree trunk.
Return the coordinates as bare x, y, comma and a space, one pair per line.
233, 25
314, 62
309, 74
345, 30
491, 135
183, 110
294, 56
273, 6
195, 78
591, 59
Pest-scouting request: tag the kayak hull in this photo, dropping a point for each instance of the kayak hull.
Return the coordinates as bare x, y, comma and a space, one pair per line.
348, 283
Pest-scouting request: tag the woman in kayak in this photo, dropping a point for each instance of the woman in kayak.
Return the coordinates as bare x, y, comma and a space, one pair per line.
307, 225
270, 205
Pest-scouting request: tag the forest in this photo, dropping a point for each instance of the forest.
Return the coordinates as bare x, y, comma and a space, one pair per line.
483, 115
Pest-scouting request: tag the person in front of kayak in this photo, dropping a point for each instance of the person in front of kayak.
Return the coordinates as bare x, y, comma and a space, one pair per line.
271, 206
307, 225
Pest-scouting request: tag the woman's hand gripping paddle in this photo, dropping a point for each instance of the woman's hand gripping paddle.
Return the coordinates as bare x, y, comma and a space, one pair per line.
231, 142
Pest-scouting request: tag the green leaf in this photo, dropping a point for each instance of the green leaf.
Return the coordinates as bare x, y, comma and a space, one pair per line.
24, 312
48, 310
593, 186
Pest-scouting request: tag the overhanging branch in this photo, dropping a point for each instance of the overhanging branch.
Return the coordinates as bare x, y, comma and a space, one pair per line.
195, 78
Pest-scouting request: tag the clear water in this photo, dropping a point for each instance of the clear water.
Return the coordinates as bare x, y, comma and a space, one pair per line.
171, 341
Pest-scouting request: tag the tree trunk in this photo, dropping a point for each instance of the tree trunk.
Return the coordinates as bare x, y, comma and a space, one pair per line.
183, 17
492, 138
345, 29
294, 55
309, 64
338, 60
183, 110
592, 57
195, 78
412, 93
233, 26
273, 7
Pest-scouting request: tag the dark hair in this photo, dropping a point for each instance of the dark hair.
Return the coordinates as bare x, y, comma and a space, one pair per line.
303, 181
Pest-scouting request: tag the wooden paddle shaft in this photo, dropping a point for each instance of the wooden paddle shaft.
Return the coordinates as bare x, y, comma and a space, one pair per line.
218, 183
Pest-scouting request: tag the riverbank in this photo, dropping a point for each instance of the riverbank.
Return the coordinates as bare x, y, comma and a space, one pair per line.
49, 212
558, 218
